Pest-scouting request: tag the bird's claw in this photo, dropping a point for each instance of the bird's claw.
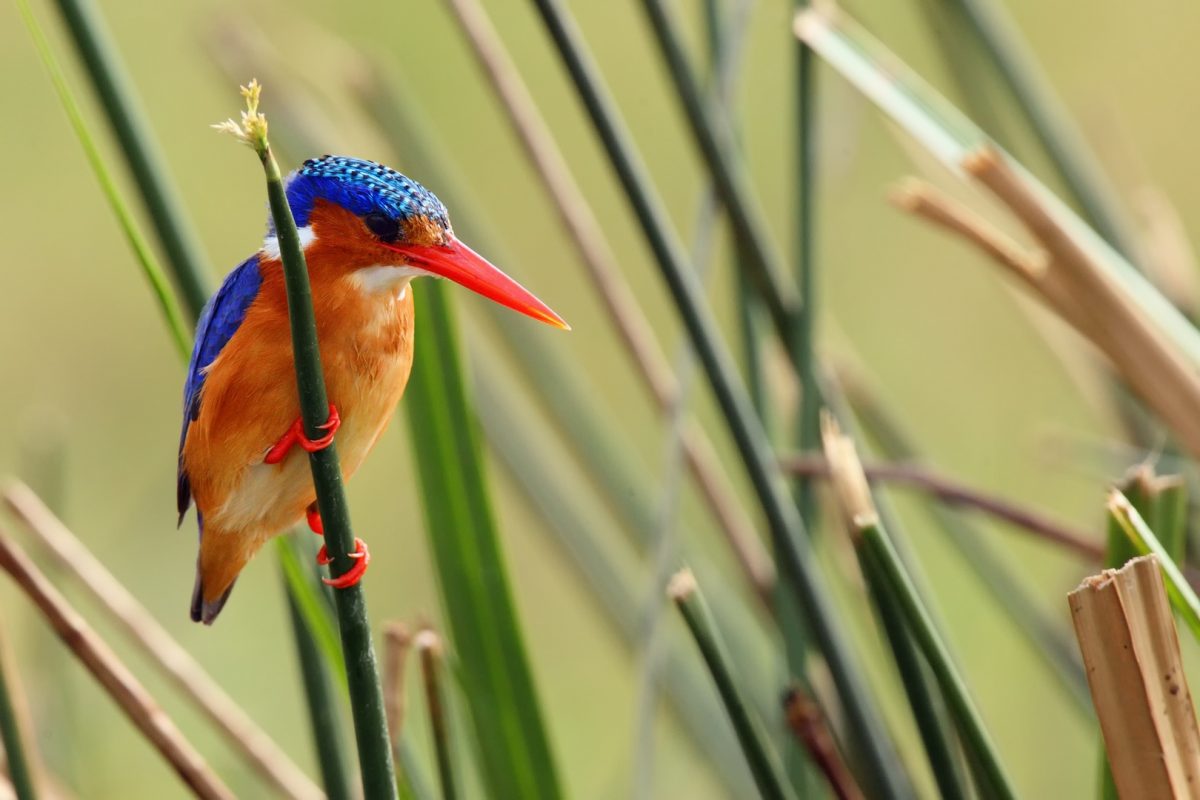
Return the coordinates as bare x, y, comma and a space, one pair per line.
353, 575
295, 436
315, 523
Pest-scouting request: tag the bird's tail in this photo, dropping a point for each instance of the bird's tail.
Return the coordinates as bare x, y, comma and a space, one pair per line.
222, 556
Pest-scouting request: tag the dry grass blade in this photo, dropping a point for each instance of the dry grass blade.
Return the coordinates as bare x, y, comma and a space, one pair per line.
113, 675
259, 749
1131, 649
628, 317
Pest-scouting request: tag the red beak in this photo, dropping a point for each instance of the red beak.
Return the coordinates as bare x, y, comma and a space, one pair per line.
461, 264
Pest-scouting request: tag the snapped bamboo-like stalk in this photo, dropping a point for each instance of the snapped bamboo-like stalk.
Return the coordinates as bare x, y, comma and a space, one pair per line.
397, 641
140, 625
1129, 643
366, 696
862, 521
114, 676
764, 763
628, 317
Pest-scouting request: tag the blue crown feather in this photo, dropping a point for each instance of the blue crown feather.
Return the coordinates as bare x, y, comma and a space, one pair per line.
360, 187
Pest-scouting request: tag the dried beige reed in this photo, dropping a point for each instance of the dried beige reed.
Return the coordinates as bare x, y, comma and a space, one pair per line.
1130, 647
259, 750
112, 674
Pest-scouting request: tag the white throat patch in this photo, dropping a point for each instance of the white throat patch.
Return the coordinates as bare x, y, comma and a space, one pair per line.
384, 278
271, 243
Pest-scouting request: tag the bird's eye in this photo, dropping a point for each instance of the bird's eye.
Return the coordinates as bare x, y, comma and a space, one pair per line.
383, 226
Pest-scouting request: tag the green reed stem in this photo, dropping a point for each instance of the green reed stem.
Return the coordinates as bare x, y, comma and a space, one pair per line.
793, 550
321, 711
923, 699
366, 695
129, 124
159, 283
716, 140
808, 428
764, 763
878, 548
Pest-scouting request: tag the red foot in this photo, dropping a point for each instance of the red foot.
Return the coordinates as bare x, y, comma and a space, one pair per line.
352, 575
315, 523
295, 436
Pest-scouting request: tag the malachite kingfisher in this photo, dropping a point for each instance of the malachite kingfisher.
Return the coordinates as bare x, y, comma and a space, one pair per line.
367, 231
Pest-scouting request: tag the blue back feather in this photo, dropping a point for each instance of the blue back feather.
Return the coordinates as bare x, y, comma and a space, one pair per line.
222, 316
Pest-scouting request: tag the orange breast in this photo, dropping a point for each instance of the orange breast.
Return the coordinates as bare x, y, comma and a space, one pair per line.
250, 398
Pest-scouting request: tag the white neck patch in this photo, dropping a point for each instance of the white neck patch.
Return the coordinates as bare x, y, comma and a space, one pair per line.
271, 243
384, 278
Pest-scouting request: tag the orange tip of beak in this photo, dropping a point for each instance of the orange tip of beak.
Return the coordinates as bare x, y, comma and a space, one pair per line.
459, 263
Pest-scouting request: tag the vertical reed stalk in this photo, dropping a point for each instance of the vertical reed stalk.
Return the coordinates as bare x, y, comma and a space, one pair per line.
129, 123
366, 696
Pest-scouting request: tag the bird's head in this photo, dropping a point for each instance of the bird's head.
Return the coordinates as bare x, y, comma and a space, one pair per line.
383, 229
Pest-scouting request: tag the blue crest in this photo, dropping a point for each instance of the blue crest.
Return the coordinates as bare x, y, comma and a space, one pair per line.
361, 187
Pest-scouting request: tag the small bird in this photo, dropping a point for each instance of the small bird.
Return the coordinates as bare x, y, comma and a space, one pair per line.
367, 231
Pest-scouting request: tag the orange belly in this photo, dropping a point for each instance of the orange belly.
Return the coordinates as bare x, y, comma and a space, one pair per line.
250, 400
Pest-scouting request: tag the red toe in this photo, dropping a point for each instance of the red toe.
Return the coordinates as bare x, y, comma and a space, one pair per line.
361, 556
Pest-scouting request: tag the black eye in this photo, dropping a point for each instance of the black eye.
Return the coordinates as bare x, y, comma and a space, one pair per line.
383, 226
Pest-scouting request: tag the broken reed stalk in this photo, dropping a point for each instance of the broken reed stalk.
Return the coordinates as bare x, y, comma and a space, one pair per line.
628, 317
862, 521
397, 641
15, 756
763, 762
429, 647
259, 750
113, 675
1127, 635
954, 493
366, 696
808, 725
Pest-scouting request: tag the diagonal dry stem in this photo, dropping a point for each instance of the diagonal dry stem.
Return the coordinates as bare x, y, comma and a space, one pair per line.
143, 711
70, 554
1157, 371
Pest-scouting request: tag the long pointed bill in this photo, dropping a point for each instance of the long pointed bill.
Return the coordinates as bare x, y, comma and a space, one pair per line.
467, 268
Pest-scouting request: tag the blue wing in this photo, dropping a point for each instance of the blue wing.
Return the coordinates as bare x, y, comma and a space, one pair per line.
221, 318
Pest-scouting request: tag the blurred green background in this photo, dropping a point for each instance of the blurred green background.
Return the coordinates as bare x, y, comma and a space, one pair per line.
90, 377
